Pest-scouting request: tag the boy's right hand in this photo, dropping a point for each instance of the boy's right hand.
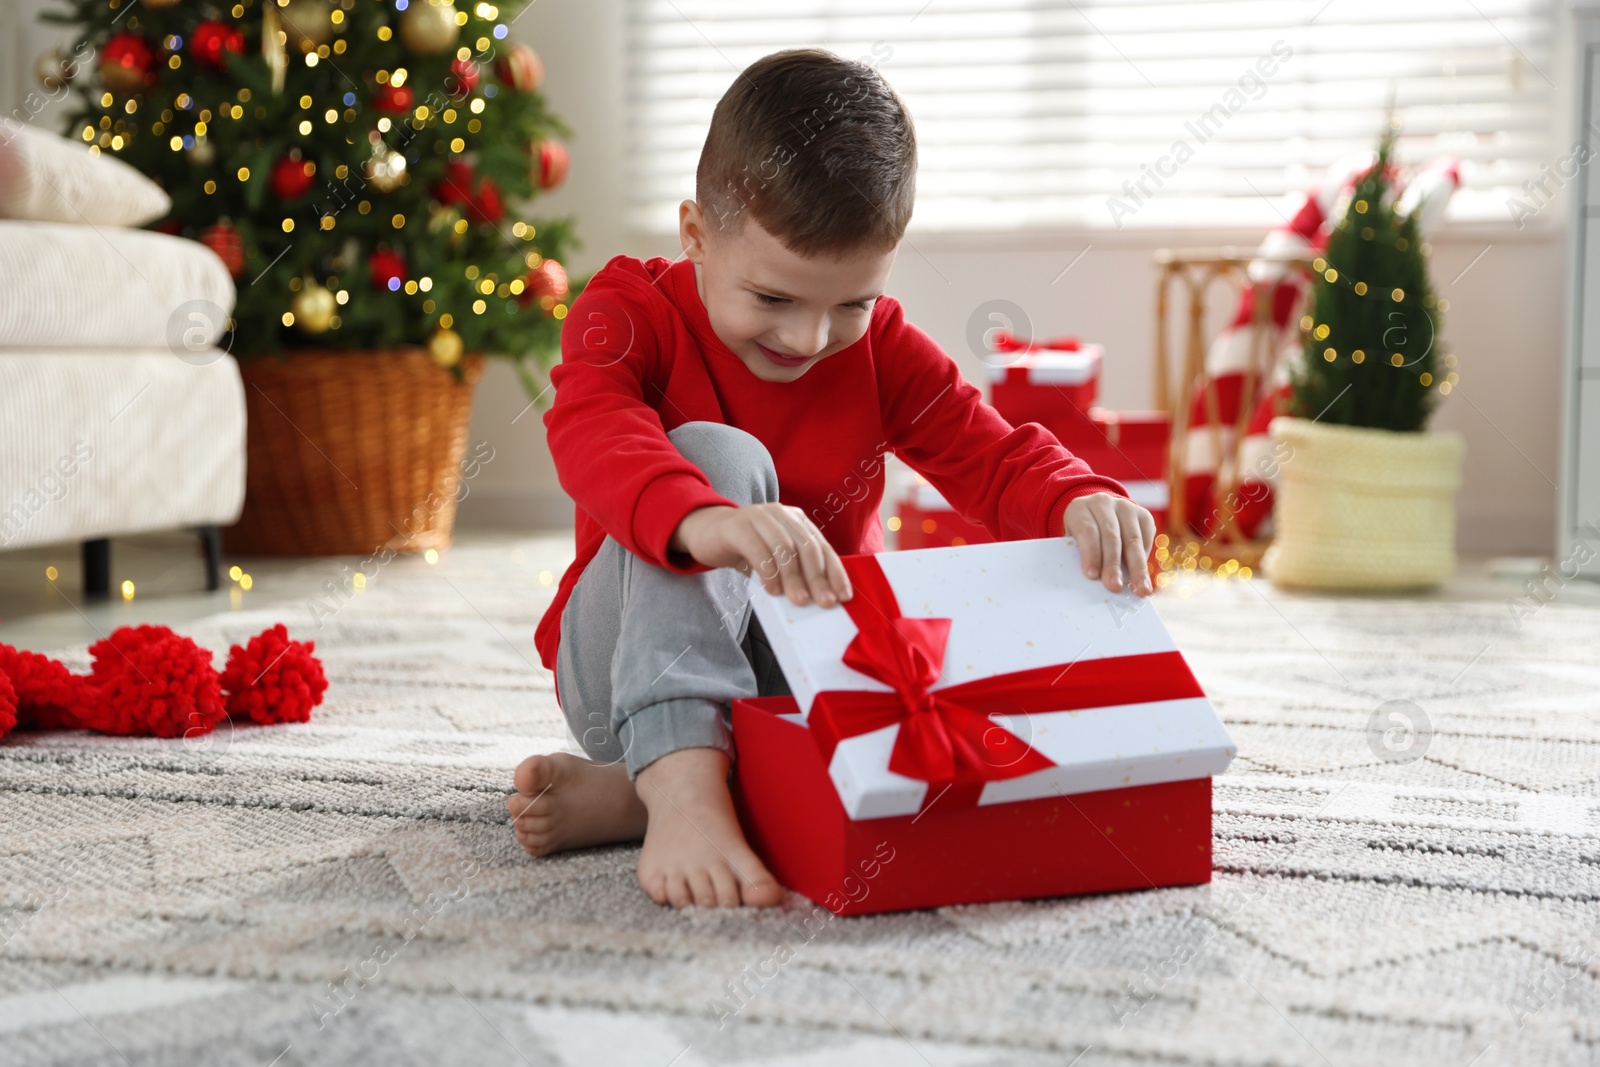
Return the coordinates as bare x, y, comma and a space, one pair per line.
775, 541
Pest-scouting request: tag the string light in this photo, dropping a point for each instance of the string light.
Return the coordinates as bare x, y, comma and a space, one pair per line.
1329, 354
1398, 295
1321, 332
1361, 288
1357, 356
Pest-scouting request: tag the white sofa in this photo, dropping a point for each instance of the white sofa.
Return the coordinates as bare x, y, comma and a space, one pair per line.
118, 414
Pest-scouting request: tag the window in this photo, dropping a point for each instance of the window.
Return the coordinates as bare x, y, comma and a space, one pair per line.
1050, 113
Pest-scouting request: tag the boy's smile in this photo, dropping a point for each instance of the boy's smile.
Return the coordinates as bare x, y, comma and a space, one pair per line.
781, 313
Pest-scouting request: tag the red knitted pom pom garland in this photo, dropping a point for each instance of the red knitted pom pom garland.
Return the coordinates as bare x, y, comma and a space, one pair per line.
47, 694
273, 679
150, 681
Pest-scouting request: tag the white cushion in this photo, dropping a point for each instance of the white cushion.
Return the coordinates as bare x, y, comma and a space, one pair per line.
102, 444
90, 287
48, 178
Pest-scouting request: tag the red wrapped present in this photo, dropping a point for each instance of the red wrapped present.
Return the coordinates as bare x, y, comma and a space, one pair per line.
926, 520
976, 723
1053, 383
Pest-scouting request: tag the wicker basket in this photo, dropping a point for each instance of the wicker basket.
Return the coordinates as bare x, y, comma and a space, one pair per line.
1363, 509
349, 452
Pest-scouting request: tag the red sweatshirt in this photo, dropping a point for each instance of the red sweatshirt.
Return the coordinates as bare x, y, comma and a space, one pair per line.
639, 358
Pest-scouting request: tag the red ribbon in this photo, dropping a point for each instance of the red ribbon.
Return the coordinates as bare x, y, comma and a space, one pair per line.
947, 735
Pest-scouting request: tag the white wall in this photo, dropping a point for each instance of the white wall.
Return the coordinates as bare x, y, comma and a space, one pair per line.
1505, 324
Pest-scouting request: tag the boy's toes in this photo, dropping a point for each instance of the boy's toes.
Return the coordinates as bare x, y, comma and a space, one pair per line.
678, 893
703, 890
654, 886
762, 890
534, 775
726, 884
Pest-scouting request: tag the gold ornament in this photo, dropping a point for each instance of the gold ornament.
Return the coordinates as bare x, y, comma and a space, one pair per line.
313, 307
53, 70
306, 23
428, 27
445, 347
386, 170
272, 45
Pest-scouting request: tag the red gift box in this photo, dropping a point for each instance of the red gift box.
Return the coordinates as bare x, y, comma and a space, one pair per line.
1053, 383
1135, 838
928, 521
945, 760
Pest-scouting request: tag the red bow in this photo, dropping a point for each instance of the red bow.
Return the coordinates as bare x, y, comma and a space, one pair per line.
948, 735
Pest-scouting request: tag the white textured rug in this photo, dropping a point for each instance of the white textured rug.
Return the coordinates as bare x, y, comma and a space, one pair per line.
1378, 899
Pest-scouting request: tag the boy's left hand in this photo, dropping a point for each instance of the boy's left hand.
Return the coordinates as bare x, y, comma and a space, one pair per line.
1112, 532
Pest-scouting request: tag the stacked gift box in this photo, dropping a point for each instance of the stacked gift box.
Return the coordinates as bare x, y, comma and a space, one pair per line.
1056, 384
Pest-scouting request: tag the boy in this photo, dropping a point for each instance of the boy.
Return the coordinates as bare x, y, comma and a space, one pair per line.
728, 412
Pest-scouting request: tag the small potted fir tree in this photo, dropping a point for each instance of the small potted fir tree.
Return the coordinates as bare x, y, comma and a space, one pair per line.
1365, 497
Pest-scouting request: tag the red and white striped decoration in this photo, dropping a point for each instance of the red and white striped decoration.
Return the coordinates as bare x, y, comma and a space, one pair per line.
1287, 287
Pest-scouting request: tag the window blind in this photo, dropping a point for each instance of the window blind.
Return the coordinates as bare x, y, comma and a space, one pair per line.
1050, 113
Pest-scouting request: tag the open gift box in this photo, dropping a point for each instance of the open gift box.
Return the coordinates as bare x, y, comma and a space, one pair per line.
977, 723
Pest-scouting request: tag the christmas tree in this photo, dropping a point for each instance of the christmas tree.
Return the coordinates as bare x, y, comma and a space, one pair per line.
355, 163
1372, 331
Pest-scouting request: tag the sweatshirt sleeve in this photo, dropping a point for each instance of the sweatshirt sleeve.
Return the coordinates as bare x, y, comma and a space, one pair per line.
1015, 480
611, 451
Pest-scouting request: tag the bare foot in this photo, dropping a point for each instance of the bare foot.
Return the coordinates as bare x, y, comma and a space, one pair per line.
564, 801
694, 851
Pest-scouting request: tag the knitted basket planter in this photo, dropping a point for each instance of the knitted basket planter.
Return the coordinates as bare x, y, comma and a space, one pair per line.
352, 452
1361, 509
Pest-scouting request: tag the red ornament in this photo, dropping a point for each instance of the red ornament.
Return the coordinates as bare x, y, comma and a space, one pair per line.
521, 68
395, 99
455, 188
170, 226
44, 694
554, 161
464, 77
388, 269
149, 681
549, 278
273, 679
487, 207
225, 241
213, 40
461, 187
291, 176
126, 61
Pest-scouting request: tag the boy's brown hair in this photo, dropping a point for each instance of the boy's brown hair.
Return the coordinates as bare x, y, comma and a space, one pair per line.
817, 148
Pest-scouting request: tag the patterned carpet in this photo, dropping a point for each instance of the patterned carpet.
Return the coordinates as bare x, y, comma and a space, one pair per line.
347, 890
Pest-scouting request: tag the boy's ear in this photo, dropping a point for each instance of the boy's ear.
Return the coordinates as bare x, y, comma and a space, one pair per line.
692, 231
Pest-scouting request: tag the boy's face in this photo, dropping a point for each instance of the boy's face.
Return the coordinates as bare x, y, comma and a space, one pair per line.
779, 312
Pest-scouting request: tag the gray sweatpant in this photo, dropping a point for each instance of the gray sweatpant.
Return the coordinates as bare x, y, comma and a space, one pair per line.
650, 660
